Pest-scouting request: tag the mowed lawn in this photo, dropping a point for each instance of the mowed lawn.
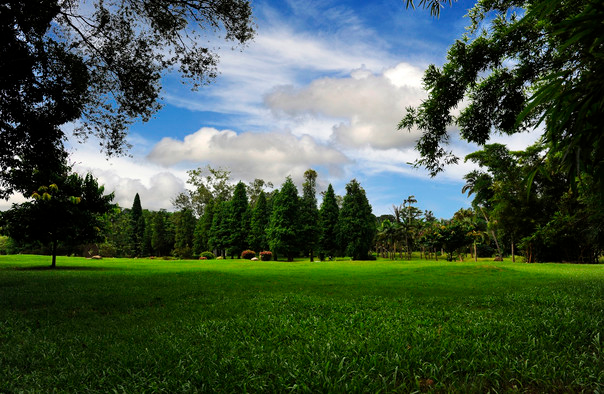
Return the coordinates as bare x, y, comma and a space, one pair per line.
235, 325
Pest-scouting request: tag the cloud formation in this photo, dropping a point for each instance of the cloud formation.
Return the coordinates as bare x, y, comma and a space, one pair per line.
366, 107
271, 155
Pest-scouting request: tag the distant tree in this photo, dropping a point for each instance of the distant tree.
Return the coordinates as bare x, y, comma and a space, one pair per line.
239, 221
69, 210
254, 189
203, 228
209, 184
184, 227
328, 224
283, 232
309, 214
137, 226
357, 226
257, 239
219, 239
117, 225
409, 224
162, 236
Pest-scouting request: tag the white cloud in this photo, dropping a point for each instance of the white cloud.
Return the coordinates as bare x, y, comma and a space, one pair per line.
367, 106
270, 155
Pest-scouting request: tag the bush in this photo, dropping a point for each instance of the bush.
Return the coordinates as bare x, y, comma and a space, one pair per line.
266, 255
207, 255
248, 254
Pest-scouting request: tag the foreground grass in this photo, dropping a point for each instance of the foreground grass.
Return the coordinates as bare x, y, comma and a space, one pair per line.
143, 325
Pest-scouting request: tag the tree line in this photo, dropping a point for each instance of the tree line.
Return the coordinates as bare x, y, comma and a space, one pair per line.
521, 207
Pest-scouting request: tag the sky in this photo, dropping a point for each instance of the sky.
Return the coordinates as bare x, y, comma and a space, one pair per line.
323, 85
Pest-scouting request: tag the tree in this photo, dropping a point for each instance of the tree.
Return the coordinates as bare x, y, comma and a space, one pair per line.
184, 228
202, 229
162, 235
209, 184
309, 214
238, 221
219, 239
259, 224
515, 73
70, 210
137, 226
283, 231
60, 63
356, 223
328, 224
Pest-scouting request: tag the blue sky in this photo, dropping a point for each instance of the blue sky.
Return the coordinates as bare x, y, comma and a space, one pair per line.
322, 86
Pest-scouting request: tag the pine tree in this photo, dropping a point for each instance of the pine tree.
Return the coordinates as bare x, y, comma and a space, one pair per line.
283, 233
137, 227
239, 221
328, 224
356, 223
219, 232
309, 214
259, 224
184, 222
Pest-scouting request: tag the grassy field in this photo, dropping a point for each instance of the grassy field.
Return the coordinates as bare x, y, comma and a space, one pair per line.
147, 325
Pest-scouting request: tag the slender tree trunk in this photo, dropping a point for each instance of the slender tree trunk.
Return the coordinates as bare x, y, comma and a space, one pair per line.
312, 256
513, 252
475, 253
54, 255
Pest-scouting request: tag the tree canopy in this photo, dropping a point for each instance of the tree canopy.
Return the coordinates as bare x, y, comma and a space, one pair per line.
69, 210
99, 63
535, 63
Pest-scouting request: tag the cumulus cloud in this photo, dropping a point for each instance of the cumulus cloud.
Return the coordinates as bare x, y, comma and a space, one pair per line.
366, 107
270, 155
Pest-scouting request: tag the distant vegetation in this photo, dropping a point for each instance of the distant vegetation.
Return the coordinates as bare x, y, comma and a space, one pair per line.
538, 222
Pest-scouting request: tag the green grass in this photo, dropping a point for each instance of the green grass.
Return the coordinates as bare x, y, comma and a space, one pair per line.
234, 325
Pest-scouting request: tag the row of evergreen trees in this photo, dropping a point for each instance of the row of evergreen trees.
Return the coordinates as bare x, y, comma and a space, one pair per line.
212, 218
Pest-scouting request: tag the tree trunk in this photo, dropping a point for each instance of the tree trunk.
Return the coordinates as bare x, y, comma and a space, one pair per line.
475, 253
54, 255
513, 256
312, 256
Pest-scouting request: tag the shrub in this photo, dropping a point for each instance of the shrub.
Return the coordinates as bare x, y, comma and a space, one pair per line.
248, 254
207, 255
266, 255
203, 258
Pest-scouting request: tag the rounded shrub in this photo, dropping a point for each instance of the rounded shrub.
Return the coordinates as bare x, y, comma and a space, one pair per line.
266, 255
207, 255
248, 254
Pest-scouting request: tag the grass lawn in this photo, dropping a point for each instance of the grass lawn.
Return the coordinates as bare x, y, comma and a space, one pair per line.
234, 325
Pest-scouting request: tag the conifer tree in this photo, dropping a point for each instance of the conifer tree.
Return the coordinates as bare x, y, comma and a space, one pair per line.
283, 233
202, 229
137, 227
328, 225
238, 221
356, 223
309, 214
259, 225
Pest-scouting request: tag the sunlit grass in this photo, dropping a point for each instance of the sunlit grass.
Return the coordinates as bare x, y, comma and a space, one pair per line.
235, 325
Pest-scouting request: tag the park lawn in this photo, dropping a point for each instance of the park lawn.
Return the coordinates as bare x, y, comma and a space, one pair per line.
235, 325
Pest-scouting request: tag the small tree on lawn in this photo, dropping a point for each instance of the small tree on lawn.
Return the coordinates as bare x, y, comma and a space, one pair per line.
69, 210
